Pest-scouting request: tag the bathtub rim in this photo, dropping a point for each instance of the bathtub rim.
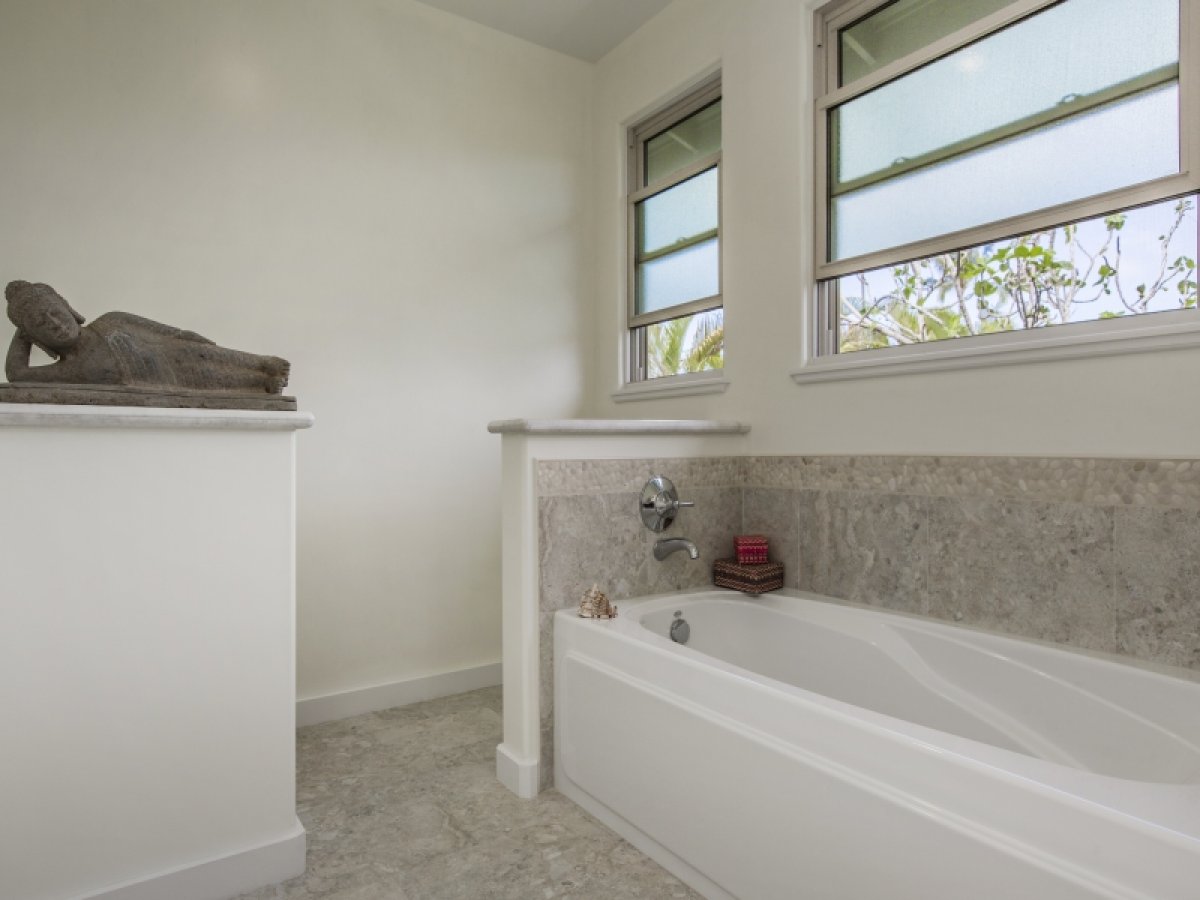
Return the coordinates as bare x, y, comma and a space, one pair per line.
634, 607
1009, 760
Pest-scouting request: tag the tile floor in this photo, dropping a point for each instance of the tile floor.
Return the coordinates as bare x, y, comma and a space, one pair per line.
404, 805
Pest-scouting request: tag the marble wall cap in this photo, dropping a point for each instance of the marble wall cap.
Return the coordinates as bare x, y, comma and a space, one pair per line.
616, 426
30, 415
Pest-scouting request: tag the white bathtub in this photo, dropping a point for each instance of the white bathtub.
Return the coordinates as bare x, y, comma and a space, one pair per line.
802, 748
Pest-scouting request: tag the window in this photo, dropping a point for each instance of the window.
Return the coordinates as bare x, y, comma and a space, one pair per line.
992, 166
676, 320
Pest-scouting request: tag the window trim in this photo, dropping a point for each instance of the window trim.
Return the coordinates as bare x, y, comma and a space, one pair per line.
820, 362
1152, 332
689, 384
703, 94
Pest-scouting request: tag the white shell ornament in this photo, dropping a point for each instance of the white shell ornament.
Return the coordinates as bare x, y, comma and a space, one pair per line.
595, 605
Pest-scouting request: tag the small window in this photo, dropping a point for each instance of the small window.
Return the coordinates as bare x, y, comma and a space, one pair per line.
988, 166
676, 320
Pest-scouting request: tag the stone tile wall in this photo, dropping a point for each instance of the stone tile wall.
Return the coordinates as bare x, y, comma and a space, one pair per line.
590, 531
1095, 553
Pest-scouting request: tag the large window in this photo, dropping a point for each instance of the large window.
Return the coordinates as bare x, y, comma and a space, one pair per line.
990, 166
676, 321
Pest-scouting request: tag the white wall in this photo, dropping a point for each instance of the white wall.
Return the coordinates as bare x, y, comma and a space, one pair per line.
391, 197
1131, 405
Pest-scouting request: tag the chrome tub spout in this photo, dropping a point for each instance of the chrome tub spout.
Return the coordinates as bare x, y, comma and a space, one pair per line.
667, 546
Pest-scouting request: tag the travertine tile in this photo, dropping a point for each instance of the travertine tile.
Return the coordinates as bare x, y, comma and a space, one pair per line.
1158, 585
377, 831
546, 758
424, 742
781, 472
1019, 544
1099, 482
565, 477
876, 474
563, 857
1168, 483
868, 548
776, 513
1041, 570
546, 697
557, 478
590, 538
600, 539
711, 525
1044, 480
813, 536
700, 472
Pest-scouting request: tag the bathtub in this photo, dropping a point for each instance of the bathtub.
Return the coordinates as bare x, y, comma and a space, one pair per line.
799, 747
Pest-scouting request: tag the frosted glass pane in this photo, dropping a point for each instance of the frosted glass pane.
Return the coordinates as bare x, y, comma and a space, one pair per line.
684, 211
1076, 48
681, 145
902, 27
690, 274
1055, 164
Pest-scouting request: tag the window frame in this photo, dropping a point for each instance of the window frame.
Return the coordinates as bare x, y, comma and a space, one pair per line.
821, 347
638, 135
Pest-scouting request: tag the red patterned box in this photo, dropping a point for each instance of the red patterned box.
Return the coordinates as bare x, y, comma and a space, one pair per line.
750, 548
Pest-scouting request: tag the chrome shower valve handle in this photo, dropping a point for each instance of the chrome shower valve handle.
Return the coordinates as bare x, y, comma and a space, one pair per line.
660, 503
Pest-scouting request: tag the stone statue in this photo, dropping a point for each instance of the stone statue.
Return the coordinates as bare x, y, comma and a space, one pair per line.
123, 359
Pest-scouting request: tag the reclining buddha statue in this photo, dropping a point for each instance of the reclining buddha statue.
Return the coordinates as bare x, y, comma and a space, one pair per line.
124, 359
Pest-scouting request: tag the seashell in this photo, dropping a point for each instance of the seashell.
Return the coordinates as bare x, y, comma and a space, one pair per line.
595, 605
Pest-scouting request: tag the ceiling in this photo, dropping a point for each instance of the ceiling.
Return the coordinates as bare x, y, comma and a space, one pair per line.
586, 29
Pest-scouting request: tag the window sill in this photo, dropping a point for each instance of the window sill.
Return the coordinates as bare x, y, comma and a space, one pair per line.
1084, 341
672, 386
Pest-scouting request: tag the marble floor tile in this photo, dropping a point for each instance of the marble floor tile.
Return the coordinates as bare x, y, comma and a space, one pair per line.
404, 805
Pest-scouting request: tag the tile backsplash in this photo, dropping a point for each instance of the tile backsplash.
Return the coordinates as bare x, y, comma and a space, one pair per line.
1093, 553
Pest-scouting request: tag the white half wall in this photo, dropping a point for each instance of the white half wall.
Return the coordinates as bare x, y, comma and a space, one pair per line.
389, 196
147, 653
524, 443
1131, 406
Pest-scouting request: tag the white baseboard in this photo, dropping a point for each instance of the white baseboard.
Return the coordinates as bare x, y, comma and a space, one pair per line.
226, 876
331, 707
519, 776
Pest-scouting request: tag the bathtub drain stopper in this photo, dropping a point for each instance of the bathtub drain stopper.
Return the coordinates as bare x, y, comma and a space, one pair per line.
680, 629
